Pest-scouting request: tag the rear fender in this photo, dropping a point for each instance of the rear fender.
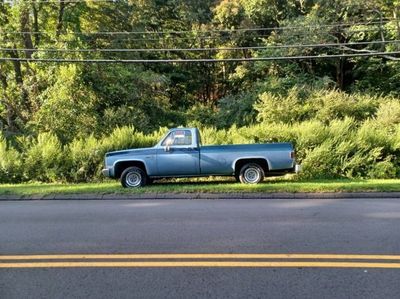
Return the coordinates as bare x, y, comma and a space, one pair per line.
250, 158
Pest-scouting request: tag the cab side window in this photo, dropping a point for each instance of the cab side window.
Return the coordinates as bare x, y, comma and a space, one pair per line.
178, 137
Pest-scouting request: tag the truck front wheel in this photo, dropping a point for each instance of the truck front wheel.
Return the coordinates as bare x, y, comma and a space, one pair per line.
133, 177
251, 173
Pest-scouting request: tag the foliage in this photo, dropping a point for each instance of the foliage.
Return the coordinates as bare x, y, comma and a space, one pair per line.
58, 119
236, 109
85, 157
299, 104
68, 106
277, 108
43, 158
10, 163
342, 148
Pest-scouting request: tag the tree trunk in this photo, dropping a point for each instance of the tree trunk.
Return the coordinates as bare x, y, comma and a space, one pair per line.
36, 25
340, 73
396, 16
19, 79
10, 111
60, 18
27, 38
17, 67
341, 62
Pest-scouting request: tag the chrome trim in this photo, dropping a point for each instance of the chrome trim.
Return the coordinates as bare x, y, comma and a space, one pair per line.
133, 179
252, 175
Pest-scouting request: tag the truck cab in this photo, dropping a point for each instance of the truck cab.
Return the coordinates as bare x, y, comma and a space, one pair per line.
178, 152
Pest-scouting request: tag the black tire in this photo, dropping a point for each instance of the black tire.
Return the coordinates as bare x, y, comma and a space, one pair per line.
133, 177
251, 173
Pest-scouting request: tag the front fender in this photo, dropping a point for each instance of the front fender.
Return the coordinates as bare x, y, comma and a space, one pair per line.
113, 169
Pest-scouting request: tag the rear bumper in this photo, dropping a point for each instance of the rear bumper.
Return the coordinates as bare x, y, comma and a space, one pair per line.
295, 169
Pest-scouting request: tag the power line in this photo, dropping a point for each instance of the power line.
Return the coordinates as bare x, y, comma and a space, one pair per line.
321, 45
207, 60
316, 26
193, 38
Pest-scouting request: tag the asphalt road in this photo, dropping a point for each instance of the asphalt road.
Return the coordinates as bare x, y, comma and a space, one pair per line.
342, 228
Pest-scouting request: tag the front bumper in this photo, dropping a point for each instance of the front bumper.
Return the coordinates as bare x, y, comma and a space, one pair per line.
106, 172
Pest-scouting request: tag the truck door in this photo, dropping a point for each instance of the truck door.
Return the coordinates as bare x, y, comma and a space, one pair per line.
178, 154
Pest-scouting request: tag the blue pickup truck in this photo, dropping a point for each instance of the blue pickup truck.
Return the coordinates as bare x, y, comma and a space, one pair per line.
181, 154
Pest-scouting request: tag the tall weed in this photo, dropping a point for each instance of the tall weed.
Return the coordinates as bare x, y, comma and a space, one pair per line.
44, 159
11, 169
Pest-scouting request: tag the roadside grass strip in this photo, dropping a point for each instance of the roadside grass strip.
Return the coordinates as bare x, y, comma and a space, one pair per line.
218, 185
174, 260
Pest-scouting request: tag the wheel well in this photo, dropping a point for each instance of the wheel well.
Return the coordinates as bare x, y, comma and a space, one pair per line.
121, 166
240, 163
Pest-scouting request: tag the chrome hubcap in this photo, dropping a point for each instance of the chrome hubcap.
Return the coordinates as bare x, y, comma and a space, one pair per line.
133, 179
252, 175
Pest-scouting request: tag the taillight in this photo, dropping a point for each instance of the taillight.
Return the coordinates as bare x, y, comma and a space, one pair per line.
292, 155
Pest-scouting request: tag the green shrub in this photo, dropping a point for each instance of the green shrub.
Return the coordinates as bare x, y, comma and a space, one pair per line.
241, 135
85, 159
383, 170
308, 135
68, 106
127, 137
273, 132
120, 138
320, 162
359, 163
276, 108
343, 147
333, 104
235, 110
340, 130
396, 138
44, 159
201, 115
300, 104
212, 136
388, 114
372, 134
10, 163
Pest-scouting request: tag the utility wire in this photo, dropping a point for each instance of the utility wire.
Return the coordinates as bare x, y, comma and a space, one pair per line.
316, 26
193, 38
208, 60
321, 45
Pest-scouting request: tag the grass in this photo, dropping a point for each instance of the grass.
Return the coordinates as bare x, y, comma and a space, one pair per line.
218, 185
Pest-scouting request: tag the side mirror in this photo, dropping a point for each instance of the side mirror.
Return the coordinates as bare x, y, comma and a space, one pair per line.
168, 144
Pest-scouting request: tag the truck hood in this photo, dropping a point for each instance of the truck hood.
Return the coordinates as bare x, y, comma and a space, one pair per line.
137, 151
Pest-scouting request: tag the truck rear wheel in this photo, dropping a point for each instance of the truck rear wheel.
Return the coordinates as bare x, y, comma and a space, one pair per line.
133, 177
251, 173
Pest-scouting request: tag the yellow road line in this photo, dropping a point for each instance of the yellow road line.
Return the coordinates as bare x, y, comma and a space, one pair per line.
201, 256
206, 264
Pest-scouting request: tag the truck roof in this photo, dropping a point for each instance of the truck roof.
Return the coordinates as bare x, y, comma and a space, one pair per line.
173, 129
